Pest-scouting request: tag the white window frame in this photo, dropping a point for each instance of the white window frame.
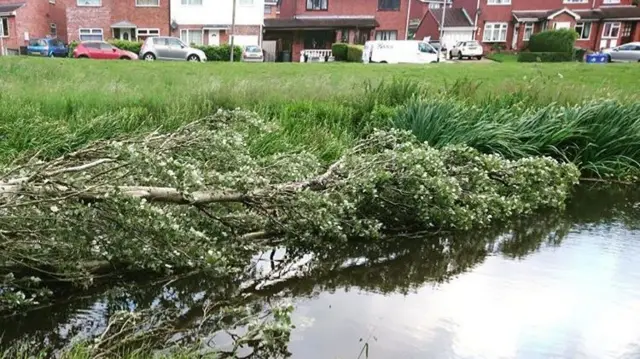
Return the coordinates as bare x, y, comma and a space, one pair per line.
188, 40
191, 2
503, 26
613, 25
91, 32
575, 1
52, 1
84, 3
626, 30
147, 30
528, 25
246, 2
498, 2
2, 34
581, 33
51, 27
607, 2
138, 5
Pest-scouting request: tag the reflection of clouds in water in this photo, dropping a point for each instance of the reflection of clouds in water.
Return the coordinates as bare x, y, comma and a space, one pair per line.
580, 300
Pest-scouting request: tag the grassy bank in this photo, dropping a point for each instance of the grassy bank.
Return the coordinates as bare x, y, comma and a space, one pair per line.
55, 105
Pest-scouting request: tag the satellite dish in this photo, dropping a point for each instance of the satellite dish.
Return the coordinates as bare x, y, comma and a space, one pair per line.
174, 24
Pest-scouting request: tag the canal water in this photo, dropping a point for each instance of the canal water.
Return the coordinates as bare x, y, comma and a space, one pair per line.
560, 285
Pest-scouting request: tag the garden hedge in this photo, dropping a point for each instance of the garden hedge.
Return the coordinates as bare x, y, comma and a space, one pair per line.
221, 53
339, 51
133, 46
553, 41
545, 56
354, 53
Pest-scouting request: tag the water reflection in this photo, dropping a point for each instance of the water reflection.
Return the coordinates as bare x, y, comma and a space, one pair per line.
557, 285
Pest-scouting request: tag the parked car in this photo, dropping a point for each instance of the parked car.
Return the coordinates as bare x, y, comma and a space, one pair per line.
436, 45
468, 49
252, 53
624, 53
47, 47
399, 51
102, 51
170, 48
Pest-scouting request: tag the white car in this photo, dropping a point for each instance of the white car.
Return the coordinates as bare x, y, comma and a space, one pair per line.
624, 53
468, 49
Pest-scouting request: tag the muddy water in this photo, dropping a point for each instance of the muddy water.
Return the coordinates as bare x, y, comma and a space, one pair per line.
555, 286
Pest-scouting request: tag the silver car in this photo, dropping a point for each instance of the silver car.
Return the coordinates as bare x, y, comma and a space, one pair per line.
625, 53
170, 48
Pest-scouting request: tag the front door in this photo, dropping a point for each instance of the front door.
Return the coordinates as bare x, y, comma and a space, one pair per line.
214, 37
126, 34
514, 42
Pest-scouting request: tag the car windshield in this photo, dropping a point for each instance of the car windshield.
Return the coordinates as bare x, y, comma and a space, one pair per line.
472, 43
253, 49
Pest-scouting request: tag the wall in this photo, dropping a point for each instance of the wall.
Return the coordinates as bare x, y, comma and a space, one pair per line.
428, 27
112, 11
33, 18
217, 12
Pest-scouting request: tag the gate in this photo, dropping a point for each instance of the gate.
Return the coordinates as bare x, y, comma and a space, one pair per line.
269, 48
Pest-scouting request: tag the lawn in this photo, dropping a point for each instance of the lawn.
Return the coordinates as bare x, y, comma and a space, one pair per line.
55, 105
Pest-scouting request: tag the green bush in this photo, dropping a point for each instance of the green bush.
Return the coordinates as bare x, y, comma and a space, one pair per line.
339, 51
221, 53
133, 46
72, 46
553, 41
545, 56
354, 53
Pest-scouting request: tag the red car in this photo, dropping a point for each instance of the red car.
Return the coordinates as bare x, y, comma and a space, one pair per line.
102, 50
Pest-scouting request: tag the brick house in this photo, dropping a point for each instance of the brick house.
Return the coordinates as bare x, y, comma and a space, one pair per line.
508, 24
458, 26
208, 22
317, 24
116, 19
27, 19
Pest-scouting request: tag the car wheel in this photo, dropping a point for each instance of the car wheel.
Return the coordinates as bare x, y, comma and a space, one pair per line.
479, 57
149, 56
193, 58
608, 58
460, 56
83, 57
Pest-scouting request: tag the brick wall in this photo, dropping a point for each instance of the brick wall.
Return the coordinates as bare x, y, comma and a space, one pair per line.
112, 11
428, 27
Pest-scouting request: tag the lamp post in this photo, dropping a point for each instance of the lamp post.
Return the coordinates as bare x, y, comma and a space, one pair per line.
233, 28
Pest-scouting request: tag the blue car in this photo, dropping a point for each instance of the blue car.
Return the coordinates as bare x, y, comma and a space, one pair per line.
47, 47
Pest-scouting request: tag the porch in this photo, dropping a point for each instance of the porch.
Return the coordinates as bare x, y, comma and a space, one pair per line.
128, 31
310, 39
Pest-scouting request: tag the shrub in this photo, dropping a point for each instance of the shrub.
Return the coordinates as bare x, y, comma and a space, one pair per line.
133, 46
340, 51
72, 46
354, 53
221, 53
545, 56
553, 41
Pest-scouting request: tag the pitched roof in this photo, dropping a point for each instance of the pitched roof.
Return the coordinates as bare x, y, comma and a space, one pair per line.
620, 12
7, 8
320, 22
453, 17
124, 24
603, 13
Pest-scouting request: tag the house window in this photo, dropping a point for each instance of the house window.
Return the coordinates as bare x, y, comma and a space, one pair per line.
575, 1
438, 5
386, 35
144, 33
89, 2
191, 36
147, 2
267, 9
191, 2
611, 30
495, 32
626, 29
612, 1
4, 27
344, 36
528, 31
584, 30
389, 5
246, 2
53, 30
317, 4
91, 35
52, 1
498, 2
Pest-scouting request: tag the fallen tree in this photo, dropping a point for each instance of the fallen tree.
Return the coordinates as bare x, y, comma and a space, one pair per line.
199, 199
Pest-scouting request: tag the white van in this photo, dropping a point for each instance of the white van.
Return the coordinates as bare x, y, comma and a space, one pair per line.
399, 52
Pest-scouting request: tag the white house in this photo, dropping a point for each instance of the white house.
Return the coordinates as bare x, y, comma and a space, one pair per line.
208, 22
